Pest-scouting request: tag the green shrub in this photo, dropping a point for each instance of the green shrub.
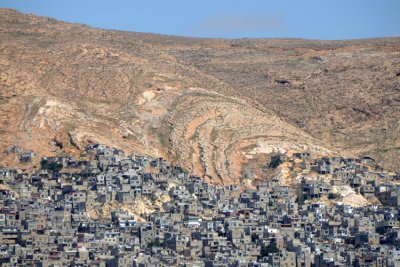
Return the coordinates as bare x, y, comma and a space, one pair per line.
52, 166
154, 243
254, 237
333, 196
380, 230
270, 249
275, 162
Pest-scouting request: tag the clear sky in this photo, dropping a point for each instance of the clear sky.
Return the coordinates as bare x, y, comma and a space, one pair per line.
313, 19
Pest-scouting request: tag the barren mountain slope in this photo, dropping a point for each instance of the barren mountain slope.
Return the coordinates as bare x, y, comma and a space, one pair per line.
213, 106
345, 93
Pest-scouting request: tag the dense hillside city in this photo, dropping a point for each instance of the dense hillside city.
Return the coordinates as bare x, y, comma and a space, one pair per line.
114, 209
136, 149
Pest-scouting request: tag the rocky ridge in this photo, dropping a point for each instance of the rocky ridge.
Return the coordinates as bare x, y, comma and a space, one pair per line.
213, 106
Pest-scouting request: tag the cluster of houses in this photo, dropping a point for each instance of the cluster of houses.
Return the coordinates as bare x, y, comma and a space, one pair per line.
46, 217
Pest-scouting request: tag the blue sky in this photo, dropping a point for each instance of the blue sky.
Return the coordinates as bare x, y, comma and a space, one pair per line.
311, 19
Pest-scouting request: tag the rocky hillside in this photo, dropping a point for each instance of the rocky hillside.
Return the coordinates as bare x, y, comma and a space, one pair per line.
217, 107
